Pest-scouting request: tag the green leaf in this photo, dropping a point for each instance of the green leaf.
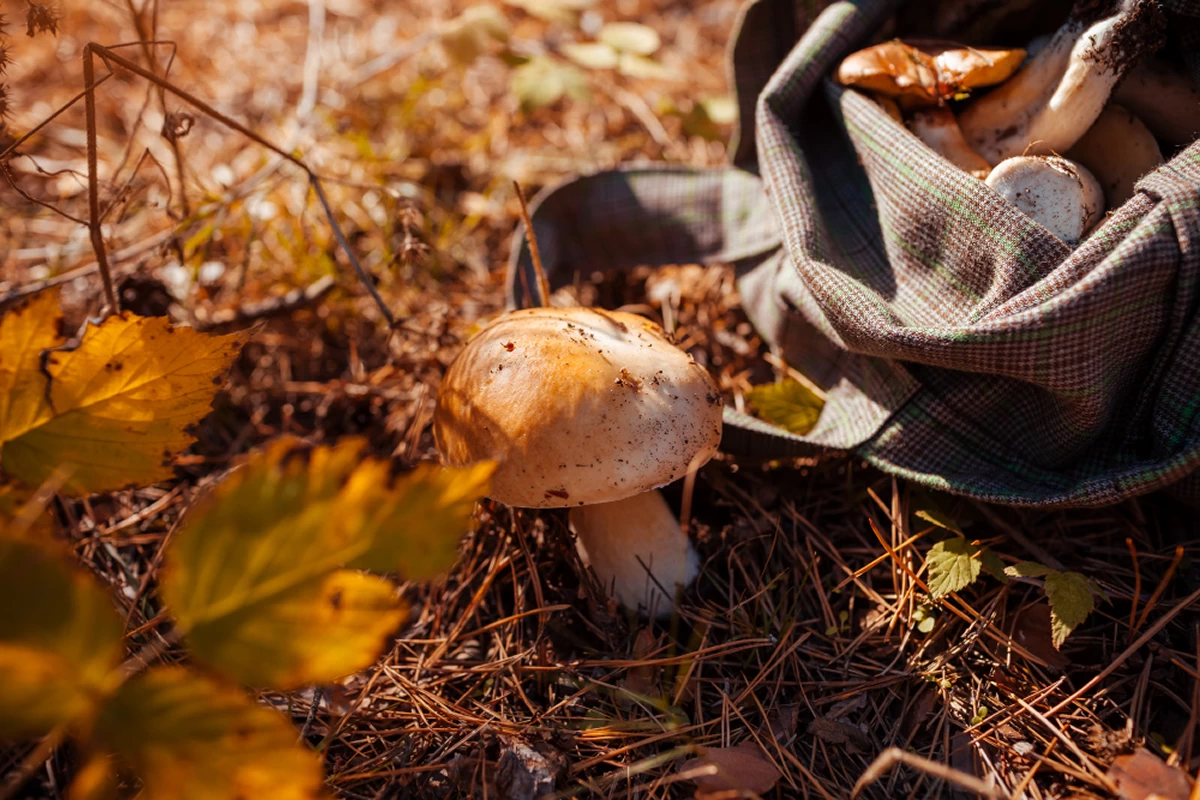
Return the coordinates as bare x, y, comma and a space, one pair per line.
952, 566
188, 737
60, 640
992, 565
630, 37
542, 80
789, 404
1027, 569
940, 519
1071, 601
593, 55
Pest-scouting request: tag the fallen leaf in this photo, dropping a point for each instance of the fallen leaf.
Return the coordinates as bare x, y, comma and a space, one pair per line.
1141, 775
116, 408
188, 737
593, 55
528, 772
721, 109
739, 768
474, 32
542, 80
256, 576
636, 66
841, 734
952, 566
563, 11
789, 404
630, 37
1071, 600
57, 655
782, 721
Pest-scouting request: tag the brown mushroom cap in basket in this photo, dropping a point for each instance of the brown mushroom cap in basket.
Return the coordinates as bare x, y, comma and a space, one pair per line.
578, 406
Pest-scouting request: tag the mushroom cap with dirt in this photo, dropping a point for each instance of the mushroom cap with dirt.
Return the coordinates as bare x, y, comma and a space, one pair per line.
1061, 195
579, 407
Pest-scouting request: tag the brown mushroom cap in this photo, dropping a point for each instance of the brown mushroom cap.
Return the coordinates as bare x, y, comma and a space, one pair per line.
578, 406
893, 69
973, 67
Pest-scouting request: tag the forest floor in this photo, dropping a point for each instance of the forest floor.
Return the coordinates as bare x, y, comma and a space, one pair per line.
809, 644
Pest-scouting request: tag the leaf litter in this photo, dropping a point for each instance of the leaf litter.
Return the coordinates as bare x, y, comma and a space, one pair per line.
799, 609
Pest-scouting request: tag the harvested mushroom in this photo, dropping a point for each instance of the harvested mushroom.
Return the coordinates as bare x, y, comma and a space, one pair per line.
582, 406
642, 530
1053, 100
893, 69
963, 68
1059, 194
1118, 149
920, 74
889, 105
1164, 98
937, 128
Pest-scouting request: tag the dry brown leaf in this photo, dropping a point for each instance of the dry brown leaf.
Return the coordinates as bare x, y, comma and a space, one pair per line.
739, 768
528, 772
841, 734
1032, 631
1141, 775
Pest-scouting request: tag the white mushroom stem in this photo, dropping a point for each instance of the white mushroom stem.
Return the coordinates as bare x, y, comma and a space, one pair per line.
1119, 150
637, 550
1059, 194
1163, 97
1052, 101
937, 128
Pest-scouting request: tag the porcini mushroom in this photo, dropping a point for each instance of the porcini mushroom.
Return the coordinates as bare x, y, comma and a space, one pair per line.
662, 556
963, 68
937, 128
1118, 149
1051, 102
582, 406
1059, 194
1164, 98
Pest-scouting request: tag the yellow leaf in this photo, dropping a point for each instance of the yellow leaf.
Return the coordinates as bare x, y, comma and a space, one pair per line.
188, 737
789, 404
319, 631
14, 500
255, 575
118, 405
25, 331
95, 780
417, 523
60, 639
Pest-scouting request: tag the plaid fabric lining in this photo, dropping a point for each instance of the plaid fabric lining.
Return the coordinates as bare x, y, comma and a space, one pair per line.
961, 345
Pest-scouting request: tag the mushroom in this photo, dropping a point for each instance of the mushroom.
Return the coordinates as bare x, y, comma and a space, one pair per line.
1164, 98
890, 107
1059, 194
920, 74
661, 549
582, 406
893, 69
1118, 149
937, 128
965, 68
1053, 100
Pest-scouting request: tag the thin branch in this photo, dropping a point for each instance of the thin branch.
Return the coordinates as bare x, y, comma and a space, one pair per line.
89, 81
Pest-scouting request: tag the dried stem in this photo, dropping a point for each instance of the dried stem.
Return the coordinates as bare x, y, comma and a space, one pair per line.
543, 285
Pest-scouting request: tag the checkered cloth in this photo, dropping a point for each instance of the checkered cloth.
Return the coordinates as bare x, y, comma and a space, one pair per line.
961, 345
